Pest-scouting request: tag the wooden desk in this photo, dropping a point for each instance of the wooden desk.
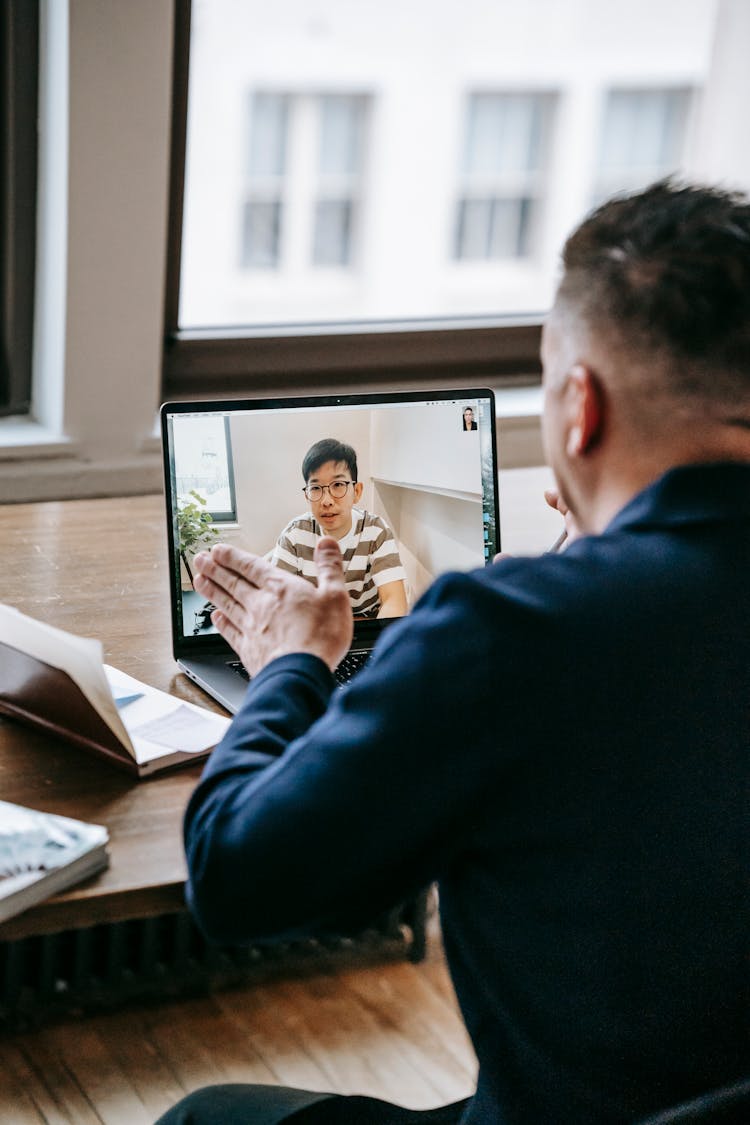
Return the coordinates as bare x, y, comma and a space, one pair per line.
99, 568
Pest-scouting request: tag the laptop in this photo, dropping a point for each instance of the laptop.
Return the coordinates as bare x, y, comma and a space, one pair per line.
424, 502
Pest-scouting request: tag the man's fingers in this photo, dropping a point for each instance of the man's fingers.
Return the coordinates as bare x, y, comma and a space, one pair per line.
233, 561
553, 498
572, 530
214, 581
219, 597
229, 632
226, 609
330, 565
210, 590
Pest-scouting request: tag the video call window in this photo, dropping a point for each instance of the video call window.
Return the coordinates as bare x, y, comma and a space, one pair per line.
422, 500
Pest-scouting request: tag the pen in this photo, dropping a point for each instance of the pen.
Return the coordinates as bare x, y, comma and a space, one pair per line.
558, 543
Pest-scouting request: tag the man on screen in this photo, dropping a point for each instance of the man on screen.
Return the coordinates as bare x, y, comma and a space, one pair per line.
374, 576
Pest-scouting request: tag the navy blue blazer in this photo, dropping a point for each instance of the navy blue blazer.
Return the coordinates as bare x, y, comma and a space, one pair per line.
562, 743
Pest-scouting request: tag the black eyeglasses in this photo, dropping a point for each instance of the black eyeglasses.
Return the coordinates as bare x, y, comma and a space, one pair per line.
336, 489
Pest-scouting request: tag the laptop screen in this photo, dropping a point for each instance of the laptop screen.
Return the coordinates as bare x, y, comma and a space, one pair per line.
406, 482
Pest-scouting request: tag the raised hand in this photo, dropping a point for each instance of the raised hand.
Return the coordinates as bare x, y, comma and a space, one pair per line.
263, 612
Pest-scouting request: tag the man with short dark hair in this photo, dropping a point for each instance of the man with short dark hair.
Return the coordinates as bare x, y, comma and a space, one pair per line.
374, 576
588, 829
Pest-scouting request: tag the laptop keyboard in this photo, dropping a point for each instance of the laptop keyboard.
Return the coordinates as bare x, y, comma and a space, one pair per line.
348, 667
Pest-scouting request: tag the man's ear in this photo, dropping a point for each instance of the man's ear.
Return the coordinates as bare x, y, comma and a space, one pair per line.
584, 398
358, 490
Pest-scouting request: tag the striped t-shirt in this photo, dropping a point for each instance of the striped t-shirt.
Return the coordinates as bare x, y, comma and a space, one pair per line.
370, 554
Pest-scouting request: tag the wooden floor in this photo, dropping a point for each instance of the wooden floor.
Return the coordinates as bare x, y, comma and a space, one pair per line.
390, 1029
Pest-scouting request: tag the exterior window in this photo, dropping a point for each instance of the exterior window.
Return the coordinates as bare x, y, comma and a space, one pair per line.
502, 169
373, 193
642, 138
304, 172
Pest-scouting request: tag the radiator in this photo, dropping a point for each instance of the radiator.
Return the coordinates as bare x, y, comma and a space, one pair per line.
104, 966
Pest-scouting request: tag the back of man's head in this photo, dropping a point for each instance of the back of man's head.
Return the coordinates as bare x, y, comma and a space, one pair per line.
662, 278
325, 450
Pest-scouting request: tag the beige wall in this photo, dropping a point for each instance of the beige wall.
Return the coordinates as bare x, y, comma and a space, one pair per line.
267, 469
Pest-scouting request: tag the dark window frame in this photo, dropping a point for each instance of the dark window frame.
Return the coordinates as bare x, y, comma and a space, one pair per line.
311, 358
19, 99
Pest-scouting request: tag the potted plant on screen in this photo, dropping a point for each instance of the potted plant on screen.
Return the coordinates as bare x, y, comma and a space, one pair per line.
195, 529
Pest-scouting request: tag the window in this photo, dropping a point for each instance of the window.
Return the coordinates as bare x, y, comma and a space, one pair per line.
303, 188
642, 138
302, 202
503, 161
19, 50
378, 193
203, 464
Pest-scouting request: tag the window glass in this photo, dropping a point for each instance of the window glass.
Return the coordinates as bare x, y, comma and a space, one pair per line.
261, 232
340, 135
333, 229
262, 208
506, 137
642, 139
355, 162
268, 126
203, 465
341, 123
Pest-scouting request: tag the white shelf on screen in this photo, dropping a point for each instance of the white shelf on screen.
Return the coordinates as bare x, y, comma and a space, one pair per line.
452, 493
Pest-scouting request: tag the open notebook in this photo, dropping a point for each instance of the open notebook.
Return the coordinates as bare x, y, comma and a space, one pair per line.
424, 501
